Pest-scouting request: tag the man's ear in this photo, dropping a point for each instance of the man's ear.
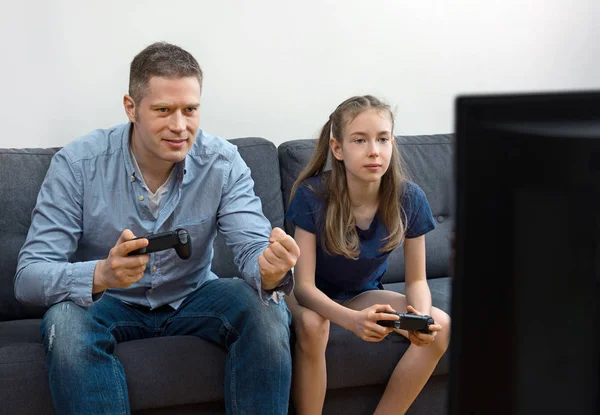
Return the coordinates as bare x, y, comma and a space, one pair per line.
129, 105
336, 148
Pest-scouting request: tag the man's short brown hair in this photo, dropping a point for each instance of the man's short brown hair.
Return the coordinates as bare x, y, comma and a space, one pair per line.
160, 59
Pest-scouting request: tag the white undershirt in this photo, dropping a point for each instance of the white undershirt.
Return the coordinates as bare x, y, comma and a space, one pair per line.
155, 198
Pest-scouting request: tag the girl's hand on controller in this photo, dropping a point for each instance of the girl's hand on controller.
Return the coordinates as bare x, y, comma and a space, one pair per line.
365, 322
120, 270
421, 339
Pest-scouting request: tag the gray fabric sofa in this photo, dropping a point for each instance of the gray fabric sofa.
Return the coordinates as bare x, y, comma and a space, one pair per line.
185, 375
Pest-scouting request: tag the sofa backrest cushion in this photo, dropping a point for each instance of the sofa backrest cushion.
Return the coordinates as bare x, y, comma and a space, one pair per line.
23, 170
428, 162
21, 174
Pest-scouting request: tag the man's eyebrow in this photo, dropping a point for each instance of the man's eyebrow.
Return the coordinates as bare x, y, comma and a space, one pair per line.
168, 105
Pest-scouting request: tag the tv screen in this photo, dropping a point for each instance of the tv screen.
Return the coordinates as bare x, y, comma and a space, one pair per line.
526, 265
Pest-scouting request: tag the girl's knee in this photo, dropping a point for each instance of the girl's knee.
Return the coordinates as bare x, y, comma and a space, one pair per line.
312, 330
442, 338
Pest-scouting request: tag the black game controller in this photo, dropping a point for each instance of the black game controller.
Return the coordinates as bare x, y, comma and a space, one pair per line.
408, 321
179, 239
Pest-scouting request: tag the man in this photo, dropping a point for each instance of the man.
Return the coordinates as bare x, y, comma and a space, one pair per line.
157, 173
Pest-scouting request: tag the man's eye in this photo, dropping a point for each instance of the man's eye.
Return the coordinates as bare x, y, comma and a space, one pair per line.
191, 109
359, 140
162, 109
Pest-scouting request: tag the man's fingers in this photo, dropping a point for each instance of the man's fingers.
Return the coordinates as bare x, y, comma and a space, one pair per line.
134, 262
126, 235
129, 246
128, 263
277, 234
279, 257
137, 270
271, 257
277, 251
286, 241
282, 253
263, 263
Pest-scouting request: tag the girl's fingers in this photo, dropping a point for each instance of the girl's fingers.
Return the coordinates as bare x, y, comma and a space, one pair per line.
411, 309
435, 327
414, 338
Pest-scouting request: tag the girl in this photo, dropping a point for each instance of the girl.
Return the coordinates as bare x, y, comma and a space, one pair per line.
348, 220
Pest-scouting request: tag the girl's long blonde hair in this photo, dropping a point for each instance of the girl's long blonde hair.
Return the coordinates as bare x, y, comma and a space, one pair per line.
340, 236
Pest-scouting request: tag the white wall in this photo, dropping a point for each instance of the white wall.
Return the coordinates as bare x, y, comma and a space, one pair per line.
277, 68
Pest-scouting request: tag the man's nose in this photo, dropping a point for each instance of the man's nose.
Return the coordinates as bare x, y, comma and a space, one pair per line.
177, 123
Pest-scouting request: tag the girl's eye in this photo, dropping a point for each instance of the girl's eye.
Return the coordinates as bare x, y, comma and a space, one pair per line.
383, 139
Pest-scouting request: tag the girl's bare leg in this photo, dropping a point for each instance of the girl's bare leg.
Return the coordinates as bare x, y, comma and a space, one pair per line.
417, 364
309, 374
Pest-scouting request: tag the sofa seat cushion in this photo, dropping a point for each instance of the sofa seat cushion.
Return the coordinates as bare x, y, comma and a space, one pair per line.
354, 362
23, 378
160, 372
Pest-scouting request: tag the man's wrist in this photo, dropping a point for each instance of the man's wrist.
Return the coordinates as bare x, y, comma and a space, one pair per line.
269, 286
98, 285
283, 283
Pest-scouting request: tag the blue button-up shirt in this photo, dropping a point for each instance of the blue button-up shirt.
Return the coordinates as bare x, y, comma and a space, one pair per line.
92, 192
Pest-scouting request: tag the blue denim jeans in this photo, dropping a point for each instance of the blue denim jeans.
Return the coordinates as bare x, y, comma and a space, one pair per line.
86, 378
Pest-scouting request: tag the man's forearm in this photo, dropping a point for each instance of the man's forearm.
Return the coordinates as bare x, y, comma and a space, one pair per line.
48, 283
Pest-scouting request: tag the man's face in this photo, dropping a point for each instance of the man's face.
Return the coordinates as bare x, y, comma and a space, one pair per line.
166, 119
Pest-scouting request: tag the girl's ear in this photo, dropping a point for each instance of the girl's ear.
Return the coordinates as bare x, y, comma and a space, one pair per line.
336, 148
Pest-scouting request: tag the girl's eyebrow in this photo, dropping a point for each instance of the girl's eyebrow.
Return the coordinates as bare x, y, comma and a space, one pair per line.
361, 133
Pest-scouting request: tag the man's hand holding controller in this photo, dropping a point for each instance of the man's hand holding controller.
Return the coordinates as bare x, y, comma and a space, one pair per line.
120, 270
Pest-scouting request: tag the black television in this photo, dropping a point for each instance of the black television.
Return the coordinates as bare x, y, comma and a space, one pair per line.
526, 267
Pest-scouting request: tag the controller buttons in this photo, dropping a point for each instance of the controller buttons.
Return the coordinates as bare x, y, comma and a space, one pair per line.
183, 236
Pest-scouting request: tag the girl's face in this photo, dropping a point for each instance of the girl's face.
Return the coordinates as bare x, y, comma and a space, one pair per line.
366, 146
